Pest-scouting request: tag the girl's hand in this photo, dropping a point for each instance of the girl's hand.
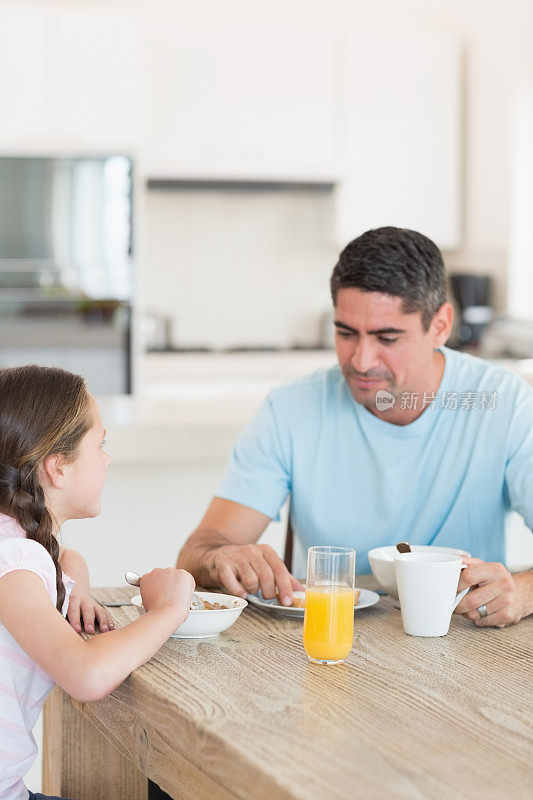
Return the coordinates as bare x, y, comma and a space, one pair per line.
83, 610
169, 589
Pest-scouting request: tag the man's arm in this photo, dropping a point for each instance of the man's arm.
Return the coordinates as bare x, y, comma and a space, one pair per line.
82, 609
223, 551
508, 598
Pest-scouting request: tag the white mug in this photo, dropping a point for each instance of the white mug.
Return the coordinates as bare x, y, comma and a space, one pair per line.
427, 586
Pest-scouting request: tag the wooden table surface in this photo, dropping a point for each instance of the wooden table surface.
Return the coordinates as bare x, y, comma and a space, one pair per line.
246, 715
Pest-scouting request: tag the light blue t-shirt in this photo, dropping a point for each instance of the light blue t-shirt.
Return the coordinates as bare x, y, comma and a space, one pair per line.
448, 478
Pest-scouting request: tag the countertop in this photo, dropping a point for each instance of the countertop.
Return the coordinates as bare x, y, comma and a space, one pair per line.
192, 406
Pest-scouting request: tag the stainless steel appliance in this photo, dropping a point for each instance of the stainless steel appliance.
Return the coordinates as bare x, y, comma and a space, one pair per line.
66, 250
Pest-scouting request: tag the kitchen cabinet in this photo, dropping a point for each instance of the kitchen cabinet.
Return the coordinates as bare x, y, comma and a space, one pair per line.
23, 82
70, 78
378, 115
95, 75
240, 101
402, 138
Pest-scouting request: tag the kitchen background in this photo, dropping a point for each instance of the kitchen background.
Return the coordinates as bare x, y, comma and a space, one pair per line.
177, 179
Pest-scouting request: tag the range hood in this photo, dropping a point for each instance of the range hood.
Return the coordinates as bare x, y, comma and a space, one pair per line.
237, 184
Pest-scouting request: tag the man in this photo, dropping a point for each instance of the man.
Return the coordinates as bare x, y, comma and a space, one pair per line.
403, 440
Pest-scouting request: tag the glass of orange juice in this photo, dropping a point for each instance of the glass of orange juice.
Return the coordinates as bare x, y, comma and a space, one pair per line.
329, 596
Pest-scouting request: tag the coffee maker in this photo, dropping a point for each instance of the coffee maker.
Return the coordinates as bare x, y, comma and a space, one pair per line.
473, 294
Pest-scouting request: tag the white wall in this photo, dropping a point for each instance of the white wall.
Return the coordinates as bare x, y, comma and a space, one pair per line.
235, 268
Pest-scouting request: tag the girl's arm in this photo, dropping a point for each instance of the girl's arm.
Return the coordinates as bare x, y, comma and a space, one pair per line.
75, 567
83, 609
91, 670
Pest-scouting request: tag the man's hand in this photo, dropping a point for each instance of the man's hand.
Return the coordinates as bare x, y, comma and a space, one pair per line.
222, 551
507, 597
246, 568
84, 611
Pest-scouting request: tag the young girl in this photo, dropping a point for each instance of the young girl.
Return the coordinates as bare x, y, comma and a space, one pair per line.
53, 468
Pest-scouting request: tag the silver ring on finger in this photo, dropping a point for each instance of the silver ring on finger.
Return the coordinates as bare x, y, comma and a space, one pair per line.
483, 611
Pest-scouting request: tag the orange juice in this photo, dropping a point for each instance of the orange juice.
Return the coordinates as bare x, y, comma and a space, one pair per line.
328, 622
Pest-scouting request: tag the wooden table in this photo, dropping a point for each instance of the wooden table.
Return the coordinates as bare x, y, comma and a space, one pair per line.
246, 715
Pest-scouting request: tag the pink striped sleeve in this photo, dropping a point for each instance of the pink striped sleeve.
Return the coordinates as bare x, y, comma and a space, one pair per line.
25, 554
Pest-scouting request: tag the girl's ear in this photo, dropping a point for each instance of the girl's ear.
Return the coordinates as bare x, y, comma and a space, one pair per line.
54, 472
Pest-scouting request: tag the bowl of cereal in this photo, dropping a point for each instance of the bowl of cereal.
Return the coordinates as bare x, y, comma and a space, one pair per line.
219, 613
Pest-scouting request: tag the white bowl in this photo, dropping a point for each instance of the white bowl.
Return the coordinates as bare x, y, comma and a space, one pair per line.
382, 562
205, 624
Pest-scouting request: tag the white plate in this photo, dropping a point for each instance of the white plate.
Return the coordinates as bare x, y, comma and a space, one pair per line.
366, 599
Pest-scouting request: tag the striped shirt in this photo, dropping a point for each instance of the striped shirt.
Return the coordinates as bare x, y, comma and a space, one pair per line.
24, 686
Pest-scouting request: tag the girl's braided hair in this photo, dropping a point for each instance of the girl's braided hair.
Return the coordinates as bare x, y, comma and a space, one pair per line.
43, 411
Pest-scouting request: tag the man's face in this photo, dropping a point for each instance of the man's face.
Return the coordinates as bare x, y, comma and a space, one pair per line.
379, 346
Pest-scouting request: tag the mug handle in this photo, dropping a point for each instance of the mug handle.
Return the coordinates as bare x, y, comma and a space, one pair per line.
461, 594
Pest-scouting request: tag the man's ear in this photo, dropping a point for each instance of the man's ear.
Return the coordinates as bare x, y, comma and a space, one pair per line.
441, 324
53, 470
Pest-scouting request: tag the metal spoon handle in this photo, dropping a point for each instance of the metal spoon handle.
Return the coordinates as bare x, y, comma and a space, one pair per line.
135, 580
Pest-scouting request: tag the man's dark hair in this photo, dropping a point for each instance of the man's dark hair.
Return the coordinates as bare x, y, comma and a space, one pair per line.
394, 261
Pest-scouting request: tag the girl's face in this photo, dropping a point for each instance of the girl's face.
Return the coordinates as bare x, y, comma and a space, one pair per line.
85, 477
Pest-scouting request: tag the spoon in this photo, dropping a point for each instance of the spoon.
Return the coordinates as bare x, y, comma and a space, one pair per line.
135, 580
403, 547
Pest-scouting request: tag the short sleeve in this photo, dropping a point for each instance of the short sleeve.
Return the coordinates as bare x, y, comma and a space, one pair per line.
258, 472
25, 554
519, 466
